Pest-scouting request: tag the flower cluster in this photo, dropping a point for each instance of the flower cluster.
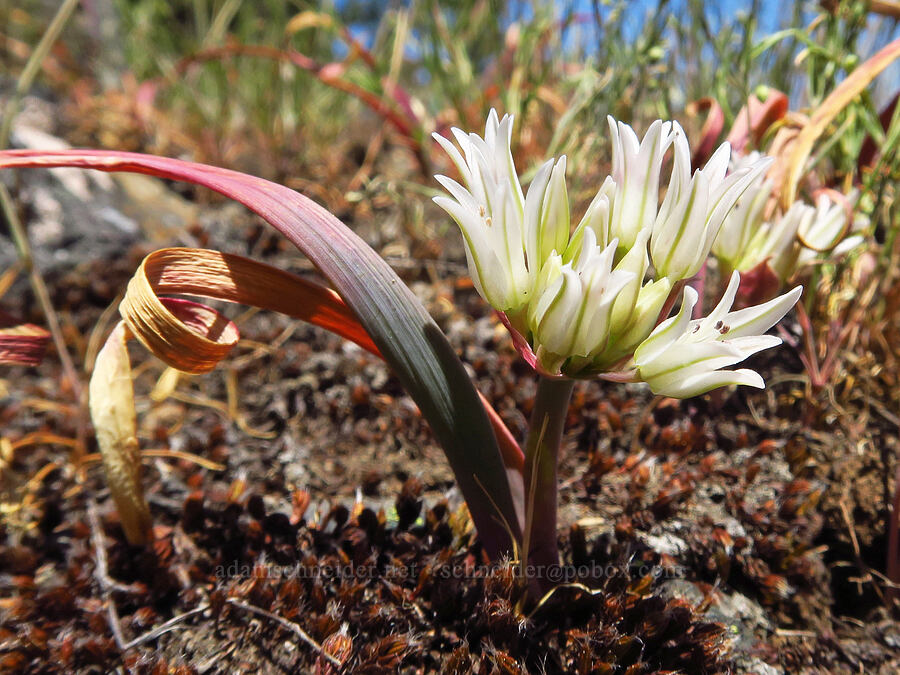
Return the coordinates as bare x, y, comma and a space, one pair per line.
788, 241
586, 301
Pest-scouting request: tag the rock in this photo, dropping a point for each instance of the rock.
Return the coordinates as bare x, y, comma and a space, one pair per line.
738, 609
681, 589
74, 216
745, 622
665, 543
756, 666
890, 633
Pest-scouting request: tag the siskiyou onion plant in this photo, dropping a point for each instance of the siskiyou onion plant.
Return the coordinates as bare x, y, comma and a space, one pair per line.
594, 303
589, 302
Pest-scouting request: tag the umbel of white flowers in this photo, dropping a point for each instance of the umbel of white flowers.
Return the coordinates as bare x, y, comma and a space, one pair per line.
790, 240
586, 303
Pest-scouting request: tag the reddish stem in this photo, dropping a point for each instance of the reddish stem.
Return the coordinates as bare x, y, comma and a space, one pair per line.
809, 358
548, 419
327, 74
670, 301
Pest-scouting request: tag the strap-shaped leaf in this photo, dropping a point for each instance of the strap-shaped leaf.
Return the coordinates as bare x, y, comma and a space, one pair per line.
405, 334
224, 276
794, 164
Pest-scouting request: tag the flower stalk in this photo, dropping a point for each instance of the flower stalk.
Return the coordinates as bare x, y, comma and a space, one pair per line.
548, 418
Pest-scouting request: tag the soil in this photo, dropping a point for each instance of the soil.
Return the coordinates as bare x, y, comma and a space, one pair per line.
740, 532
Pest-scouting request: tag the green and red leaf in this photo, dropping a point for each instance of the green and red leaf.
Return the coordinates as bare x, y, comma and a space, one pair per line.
400, 327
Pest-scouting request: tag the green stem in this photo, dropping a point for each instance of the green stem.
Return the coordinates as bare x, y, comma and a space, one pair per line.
540, 548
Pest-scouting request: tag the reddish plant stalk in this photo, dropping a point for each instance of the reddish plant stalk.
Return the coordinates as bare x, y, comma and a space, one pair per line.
548, 419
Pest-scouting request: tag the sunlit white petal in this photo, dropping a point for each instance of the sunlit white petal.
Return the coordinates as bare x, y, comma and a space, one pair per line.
684, 357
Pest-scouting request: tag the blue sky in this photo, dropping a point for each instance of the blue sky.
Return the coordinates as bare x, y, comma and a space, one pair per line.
773, 15
637, 10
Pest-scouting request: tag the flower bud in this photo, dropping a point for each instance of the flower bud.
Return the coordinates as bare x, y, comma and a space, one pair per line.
636, 168
574, 301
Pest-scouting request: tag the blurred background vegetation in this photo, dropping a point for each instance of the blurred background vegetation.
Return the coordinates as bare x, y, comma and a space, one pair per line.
340, 97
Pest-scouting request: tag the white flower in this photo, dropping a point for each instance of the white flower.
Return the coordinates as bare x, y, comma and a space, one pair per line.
776, 242
744, 221
800, 237
596, 218
828, 229
570, 316
788, 241
507, 235
860, 223
546, 214
829, 225
682, 358
636, 171
650, 301
637, 307
586, 305
695, 207
635, 262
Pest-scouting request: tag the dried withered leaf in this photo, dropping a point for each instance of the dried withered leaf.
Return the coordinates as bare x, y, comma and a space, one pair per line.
505, 664
115, 425
387, 652
22, 343
792, 163
458, 663
338, 645
14, 662
143, 618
